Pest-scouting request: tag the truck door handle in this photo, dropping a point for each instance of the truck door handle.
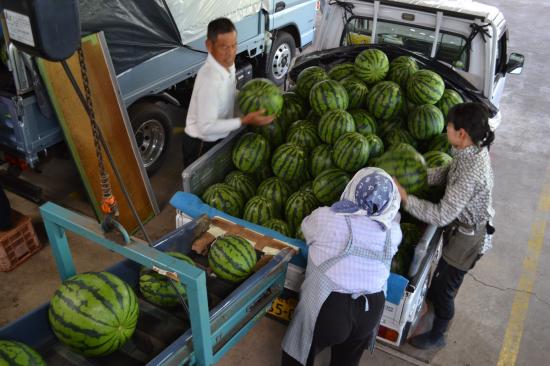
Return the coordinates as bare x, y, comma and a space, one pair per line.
280, 6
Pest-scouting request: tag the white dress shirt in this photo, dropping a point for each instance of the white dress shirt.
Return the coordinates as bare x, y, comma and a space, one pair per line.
326, 234
210, 116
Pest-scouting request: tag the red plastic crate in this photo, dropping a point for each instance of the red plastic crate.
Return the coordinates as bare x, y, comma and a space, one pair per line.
18, 243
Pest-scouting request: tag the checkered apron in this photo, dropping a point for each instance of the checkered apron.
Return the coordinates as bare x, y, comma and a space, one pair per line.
315, 290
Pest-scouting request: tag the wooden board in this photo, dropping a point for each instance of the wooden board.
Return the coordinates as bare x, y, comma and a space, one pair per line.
112, 117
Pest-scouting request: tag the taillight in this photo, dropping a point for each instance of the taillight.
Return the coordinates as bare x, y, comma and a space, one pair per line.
387, 333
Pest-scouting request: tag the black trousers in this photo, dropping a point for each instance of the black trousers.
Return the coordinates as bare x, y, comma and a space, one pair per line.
5, 210
194, 148
444, 288
345, 326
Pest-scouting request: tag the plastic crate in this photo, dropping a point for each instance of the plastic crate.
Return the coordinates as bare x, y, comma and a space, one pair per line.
18, 243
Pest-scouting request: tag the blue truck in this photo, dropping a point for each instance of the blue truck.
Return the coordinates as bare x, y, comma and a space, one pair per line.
156, 50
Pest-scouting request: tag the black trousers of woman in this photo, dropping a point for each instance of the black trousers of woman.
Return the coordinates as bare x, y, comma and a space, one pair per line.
345, 326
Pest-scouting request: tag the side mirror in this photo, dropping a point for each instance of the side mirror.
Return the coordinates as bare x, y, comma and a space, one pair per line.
515, 63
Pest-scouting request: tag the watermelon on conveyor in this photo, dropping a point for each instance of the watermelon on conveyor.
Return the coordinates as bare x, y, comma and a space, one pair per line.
232, 258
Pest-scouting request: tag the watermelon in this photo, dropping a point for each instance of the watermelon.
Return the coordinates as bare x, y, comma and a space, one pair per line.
94, 313
157, 288
440, 143
307, 78
302, 123
351, 152
436, 159
341, 71
299, 205
364, 122
397, 136
289, 162
401, 68
293, 109
276, 191
386, 126
321, 159
449, 99
407, 164
329, 185
307, 186
376, 146
425, 122
328, 95
278, 225
251, 152
304, 134
425, 87
243, 183
313, 117
385, 100
264, 173
224, 198
273, 132
232, 258
371, 65
357, 91
259, 94
17, 353
334, 124
259, 209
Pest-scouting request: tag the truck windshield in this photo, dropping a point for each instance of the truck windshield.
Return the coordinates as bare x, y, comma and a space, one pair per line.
416, 39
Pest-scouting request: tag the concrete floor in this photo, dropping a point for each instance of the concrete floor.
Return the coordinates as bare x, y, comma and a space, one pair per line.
504, 305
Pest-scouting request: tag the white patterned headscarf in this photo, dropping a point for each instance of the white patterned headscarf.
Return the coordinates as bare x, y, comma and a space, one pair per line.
373, 193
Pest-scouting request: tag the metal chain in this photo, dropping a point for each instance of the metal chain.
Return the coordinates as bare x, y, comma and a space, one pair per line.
105, 182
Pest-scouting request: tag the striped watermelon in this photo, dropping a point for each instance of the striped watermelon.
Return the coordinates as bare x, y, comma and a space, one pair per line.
371, 65
299, 205
251, 152
94, 313
405, 163
376, 146
289, 162
398, 136
386, 126
264, 173
273, 132
328, 95
425, 122
313, 117
276, 191
224, 198
329, 185
321, 159
302, 123
385, 100
243, 183
259, 209
351, 152
448, 99
357, 91
334, 124
232, 258
436, 159
307, 186
293, 109
280, 226
304, 133
342, 71
13, 353
157, 288
364, 122
259, 94
401, 68
425, 87
440, 143
307, 78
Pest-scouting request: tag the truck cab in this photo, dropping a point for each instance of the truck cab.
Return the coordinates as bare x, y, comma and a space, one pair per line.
467, 36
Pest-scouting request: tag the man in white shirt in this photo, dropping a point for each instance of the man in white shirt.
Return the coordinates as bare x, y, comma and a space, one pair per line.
210, 116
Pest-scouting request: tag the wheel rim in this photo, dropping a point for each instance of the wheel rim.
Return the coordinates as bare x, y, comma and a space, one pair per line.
150, 139
281, 61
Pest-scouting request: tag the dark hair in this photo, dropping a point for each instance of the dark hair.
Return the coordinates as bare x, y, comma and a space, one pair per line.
219, 26
474, 119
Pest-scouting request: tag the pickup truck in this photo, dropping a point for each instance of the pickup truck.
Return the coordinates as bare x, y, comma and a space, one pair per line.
156, 49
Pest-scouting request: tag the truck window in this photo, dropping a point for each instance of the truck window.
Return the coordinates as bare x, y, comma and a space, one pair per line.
500, 54
417, 39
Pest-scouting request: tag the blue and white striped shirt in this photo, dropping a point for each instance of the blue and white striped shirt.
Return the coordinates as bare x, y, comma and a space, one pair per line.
326, 234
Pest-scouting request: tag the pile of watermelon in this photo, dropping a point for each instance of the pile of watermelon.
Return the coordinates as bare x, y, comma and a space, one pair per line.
370, 112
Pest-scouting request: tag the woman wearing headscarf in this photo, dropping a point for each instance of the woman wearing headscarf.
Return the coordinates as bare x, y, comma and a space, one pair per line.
350, 248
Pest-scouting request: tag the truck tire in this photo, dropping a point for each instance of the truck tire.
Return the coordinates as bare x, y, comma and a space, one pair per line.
277, 63
153, 132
